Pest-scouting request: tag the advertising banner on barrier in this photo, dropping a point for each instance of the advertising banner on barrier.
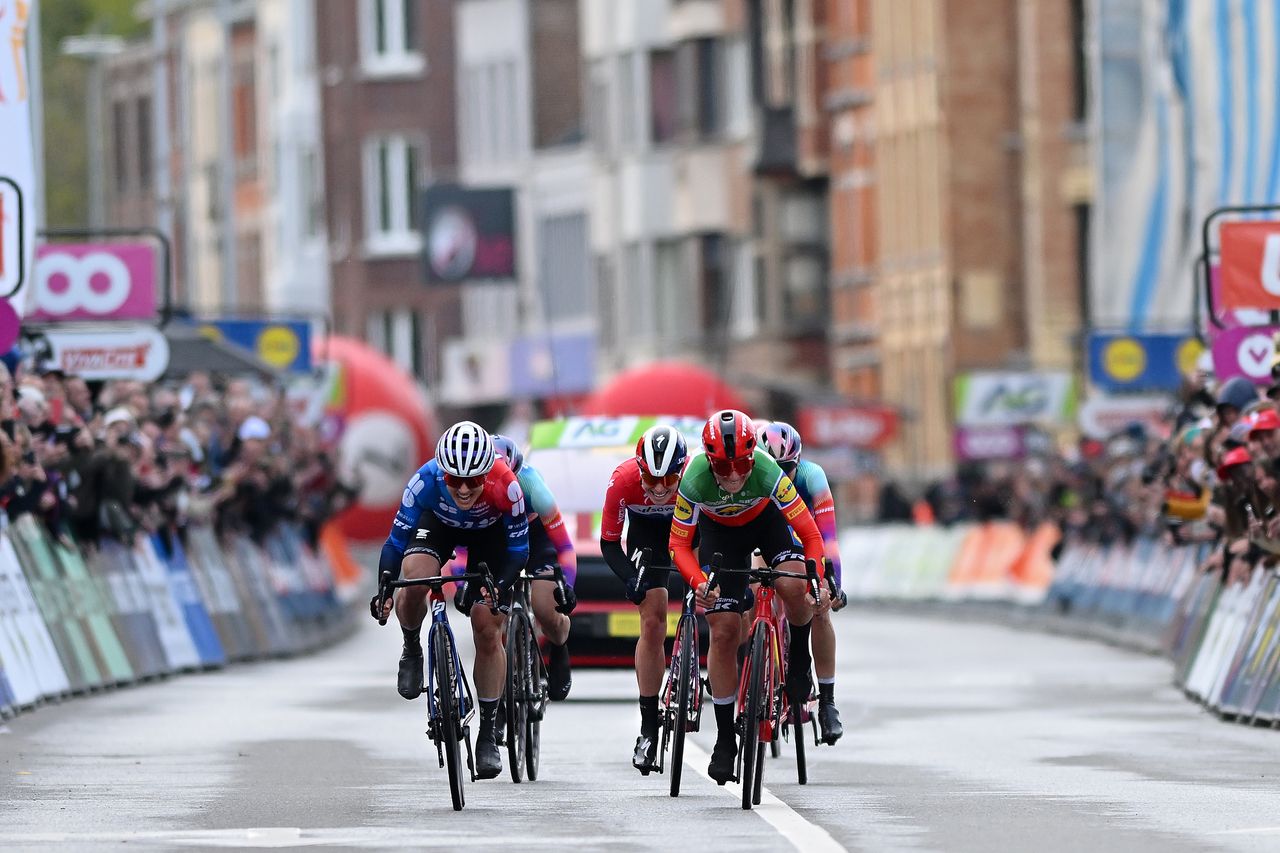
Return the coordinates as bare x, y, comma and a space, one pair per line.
31, 660
865, 427
94, 281
974, 444
182, 584
137, 352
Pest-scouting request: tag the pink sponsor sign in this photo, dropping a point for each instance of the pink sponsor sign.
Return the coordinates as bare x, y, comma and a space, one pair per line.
973, 444
1244, 351
109, 281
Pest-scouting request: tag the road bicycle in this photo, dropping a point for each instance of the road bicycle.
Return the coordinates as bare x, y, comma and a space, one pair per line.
526, 688
450, 700
764, 711
680, 711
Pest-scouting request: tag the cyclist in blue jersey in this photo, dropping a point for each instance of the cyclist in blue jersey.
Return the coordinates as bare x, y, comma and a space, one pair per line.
782, 442
465, 496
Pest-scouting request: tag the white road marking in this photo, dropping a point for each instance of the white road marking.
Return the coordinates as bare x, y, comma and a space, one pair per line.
1256, 830
804, 836
287, 836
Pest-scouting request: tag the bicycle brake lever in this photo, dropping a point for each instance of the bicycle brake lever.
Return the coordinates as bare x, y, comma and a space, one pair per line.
383, 583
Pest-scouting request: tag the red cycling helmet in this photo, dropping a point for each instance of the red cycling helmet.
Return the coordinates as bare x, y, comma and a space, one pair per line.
730, 442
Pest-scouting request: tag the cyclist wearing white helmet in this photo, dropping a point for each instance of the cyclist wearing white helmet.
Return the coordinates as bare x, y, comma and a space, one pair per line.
642, 495
465, 496
782, 442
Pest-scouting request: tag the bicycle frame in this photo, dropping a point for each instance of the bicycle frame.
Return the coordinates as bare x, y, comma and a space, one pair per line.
768, 616
462, 687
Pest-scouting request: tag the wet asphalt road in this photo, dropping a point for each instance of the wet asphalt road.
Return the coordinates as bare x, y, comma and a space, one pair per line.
961, 737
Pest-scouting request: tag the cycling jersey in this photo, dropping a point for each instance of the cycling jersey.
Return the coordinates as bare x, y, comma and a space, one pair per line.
815, 491
700, 498
501, 505
542, 506
648, 523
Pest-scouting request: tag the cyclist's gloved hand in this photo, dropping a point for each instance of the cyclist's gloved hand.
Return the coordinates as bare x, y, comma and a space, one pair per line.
636, 591
566, 598
839, 599
374, 610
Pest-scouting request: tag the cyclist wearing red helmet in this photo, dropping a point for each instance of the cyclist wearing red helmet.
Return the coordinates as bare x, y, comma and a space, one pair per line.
737, 499
642, 494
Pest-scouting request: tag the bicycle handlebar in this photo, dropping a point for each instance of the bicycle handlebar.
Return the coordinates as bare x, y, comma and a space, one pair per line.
386, 586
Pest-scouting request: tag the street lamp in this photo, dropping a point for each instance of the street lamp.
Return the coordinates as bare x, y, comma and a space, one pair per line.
95, 49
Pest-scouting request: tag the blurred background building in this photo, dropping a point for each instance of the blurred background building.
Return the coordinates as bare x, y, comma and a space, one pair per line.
890, 220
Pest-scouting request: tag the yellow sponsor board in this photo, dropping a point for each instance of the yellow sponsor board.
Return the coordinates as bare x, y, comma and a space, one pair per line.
278, 346
626, 623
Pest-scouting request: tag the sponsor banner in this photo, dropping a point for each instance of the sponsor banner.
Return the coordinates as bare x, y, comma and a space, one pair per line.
974, 444
134, 352
609, 431
563, 364
283, 344
865, 427
1102, 416
1120, 362
1010, 398
1229, 319
1245, 351
470, 233
91, 281
1250, 262
18, 195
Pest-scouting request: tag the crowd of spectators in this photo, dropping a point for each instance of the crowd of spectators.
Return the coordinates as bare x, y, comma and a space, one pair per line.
1208, 475
125, 458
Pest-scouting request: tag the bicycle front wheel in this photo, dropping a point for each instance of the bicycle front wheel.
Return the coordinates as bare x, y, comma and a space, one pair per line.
536, 706
448, 724
754, 706
687, 675
517, 696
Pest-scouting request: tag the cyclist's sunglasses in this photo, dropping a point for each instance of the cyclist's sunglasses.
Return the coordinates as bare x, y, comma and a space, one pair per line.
653, 482
729, 467
458, 482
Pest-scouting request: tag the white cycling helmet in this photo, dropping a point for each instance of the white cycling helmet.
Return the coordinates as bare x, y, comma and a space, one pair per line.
465, 450
780, 440
661, 451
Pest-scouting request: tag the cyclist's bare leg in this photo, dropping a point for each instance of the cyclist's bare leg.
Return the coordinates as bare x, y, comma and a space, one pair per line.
650, 654
722, 656
554, 625
794, 594
823, 641
491, 659
411, 602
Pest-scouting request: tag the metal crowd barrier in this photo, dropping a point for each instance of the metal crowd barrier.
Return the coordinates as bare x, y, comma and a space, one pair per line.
76, 620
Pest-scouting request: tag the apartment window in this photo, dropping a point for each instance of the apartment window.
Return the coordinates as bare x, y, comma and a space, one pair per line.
663, 96
600, 107
144, 142
699, 72
804, 276
391, 195
628, 132
677, 310
398, 334
638, 320
311, 187
120, 140
607, 290
714, 279
747, 300
245, 113
564, 267
1079, 62
390, 43
737, 100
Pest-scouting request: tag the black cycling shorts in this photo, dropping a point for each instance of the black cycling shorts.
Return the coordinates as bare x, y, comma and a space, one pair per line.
483, 544
652, 533
768, 531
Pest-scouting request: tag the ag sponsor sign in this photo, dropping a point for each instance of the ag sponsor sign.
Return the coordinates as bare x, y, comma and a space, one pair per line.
135, 352
1250, 262
975, 444
866, 427
90, 281
995, 399
1120, 362
1244, 351
606, 431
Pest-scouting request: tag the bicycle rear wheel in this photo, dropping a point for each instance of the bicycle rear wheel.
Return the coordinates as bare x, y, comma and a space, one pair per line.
448, 725
753, 711
687, 660
517, 710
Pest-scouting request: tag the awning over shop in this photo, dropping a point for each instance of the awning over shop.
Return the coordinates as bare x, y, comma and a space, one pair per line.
190, 350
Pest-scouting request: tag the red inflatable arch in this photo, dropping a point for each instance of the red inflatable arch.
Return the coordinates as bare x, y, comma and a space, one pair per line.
384, 430
664, 388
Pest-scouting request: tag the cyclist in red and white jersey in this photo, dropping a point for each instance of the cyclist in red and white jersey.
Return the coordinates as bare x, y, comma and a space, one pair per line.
642, 495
